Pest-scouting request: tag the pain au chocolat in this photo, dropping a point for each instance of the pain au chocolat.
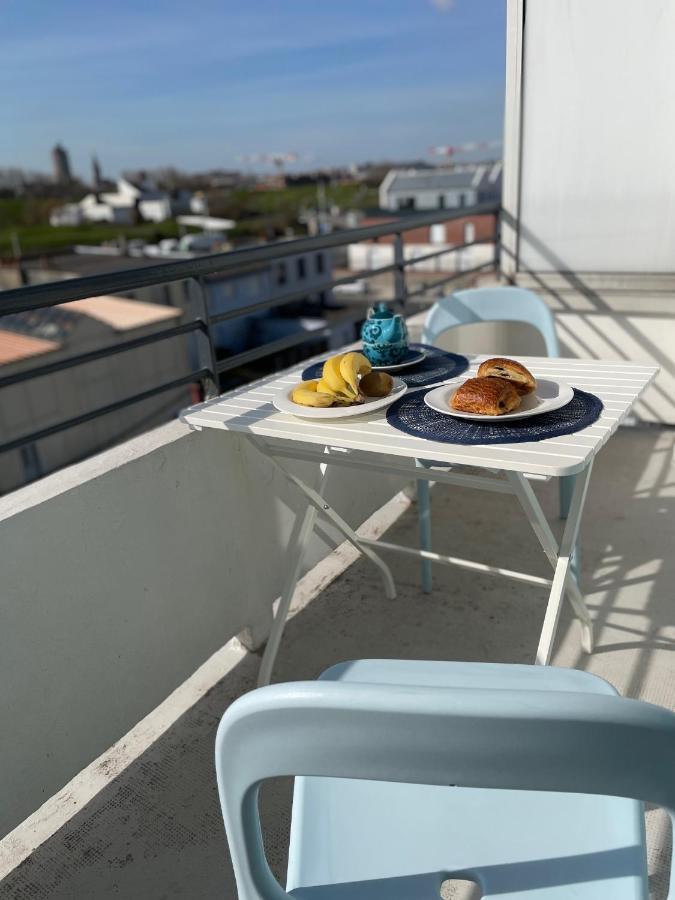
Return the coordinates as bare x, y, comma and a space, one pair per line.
522, 379
486, 396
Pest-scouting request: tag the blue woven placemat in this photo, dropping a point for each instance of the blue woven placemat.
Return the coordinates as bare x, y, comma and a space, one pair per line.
437, 365
411, 415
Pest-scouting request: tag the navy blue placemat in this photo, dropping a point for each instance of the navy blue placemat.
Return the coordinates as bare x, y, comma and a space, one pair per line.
437, 365
411, 415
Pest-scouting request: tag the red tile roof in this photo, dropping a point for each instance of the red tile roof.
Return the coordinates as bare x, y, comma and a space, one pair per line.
122, 314
14, 347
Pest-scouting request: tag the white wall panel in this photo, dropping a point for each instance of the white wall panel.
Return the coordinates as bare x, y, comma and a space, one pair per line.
598, 139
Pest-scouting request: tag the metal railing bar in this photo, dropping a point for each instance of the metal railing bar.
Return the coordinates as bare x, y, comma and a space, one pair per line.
298, 294
317, 287
285, 343
410, 261
103, 352
83, 418
455, 275
42, 295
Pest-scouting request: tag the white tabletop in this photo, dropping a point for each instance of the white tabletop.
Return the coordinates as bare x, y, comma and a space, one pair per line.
618, 384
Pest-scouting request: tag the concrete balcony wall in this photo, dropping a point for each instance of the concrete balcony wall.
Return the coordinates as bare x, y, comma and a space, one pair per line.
124, 573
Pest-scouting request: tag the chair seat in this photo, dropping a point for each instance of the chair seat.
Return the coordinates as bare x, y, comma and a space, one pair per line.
366, 840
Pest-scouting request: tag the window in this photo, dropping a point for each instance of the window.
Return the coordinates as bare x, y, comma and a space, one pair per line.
319, 263
462, 200
301, 269
437, 233
281, 273
441, 201
406, 203
469, 233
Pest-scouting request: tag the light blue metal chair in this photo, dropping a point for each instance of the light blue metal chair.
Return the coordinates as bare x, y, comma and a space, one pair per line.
498, 304
524, 779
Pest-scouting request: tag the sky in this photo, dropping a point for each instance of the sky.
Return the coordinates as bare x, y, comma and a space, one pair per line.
199, 84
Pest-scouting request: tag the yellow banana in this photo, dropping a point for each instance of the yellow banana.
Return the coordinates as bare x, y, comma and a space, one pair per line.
351, 366
332, 377
306, 394
343, 397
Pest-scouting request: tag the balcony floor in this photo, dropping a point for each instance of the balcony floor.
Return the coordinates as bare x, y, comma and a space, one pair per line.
155, 830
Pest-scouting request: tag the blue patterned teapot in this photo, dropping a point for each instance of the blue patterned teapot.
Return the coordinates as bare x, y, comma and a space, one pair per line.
385, 336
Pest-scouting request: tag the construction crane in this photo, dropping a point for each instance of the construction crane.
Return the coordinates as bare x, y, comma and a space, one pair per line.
278, 160
449, 150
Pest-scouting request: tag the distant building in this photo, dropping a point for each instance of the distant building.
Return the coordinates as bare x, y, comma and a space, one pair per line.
108, 207
425, 189
61, 165
96, 176
199, 204
274, 182
68, 214
405, 191
28, 340
303, 274
418, 242
130, 202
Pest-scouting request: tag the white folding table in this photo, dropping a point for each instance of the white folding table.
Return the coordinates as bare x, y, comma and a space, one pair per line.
367, 442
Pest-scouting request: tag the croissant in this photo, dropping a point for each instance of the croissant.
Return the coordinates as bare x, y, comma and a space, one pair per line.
486, 396
521, 378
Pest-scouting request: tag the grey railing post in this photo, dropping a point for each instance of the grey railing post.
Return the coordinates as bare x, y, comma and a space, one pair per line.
400, 285
198, 308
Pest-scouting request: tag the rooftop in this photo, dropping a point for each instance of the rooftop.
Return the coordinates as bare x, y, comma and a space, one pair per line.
439, 179
15, 347
122, 314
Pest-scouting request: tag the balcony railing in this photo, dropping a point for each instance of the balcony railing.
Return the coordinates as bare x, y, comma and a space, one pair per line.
195, 271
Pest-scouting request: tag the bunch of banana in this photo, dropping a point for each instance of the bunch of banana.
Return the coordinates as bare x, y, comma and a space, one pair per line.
340, 377
339, 382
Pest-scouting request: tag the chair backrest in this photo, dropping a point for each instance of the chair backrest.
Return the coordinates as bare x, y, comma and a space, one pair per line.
498, 304
519, 740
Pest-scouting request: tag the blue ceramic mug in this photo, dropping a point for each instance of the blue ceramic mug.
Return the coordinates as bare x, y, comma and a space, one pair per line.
385, 336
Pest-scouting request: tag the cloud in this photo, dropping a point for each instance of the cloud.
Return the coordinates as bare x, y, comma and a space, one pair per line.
443, 5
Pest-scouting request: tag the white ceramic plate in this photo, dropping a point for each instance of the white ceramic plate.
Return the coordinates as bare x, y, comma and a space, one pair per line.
548, 396
284, 404
411, 361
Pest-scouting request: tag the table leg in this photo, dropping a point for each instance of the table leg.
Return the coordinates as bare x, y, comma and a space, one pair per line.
296, 550
321, 506
560, 558
565, 491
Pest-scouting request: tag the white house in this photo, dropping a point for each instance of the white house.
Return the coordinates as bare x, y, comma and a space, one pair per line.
130, 202
440, 188
152, 204
107, 208
68, 214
